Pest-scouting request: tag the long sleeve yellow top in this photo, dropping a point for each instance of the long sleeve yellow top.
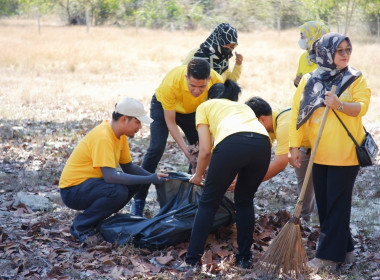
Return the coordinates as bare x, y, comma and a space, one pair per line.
335, 147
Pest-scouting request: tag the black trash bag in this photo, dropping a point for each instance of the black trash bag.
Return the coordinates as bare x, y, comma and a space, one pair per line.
172, 224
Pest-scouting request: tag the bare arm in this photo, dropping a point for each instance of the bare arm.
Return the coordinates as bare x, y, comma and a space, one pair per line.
205, 146
276, 166
176, 134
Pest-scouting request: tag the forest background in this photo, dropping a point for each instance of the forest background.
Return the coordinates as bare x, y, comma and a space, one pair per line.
245, 15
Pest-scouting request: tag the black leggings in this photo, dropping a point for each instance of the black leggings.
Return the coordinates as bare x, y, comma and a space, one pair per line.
333, 187
248, 155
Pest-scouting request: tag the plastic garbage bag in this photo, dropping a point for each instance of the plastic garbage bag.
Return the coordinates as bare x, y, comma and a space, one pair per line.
172, 224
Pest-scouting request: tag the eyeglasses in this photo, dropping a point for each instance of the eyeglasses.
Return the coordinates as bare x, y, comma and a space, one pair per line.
342, 52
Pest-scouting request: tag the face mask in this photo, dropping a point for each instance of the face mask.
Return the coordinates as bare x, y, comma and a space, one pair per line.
302, 43
226, 51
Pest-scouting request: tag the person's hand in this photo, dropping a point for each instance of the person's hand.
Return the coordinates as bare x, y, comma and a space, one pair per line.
294, 157
196, 179
159, 178
192, 159
239, 58
297, 80
331, 100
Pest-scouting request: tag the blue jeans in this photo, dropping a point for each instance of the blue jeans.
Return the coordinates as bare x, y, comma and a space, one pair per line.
159, 133
98, 199
248, 155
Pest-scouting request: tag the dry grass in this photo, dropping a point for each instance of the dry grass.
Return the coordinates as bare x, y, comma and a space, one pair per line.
64, 72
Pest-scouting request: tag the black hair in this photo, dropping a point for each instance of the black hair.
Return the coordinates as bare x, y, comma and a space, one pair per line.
116, 116
215, 90
259, 106
229, 90
198, 68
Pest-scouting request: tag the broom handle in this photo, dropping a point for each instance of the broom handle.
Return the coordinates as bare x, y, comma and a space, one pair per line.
299, 205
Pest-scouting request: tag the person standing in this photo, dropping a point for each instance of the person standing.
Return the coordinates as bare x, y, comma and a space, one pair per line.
217, 50
90, 180
231, 142
277, 125
173, 106
310, 32
335, 165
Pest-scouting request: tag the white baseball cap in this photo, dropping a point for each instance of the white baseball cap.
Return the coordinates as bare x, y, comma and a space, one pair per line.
133, 108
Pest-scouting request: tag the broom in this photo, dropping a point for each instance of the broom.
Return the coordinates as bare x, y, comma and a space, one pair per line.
286, 254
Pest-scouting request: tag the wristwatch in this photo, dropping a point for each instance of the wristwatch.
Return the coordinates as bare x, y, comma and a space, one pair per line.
340, 108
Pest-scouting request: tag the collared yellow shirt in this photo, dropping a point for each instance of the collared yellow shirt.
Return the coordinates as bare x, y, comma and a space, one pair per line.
174, 93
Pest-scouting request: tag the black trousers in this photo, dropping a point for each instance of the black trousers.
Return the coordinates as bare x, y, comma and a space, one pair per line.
97, 199
333, 187
245, 154
159, 133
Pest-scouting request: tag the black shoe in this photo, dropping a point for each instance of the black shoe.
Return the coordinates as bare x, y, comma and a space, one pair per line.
81, 236
188, 267
244, 262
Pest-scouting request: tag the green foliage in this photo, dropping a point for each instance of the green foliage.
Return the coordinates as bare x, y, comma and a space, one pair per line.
245, 15
8, 7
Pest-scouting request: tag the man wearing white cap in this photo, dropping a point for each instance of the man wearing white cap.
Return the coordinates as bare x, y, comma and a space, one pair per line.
90, 181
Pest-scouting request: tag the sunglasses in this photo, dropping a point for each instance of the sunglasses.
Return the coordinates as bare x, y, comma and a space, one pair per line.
342, 52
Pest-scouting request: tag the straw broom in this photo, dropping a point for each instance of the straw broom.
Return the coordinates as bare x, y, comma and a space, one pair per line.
286, 254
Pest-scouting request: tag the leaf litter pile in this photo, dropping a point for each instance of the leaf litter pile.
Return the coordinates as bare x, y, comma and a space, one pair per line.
36, 243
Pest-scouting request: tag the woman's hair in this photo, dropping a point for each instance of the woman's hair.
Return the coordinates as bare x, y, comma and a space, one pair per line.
229, 90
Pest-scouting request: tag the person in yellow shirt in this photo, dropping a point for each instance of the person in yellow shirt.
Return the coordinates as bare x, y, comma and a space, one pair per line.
277, 125
335, 165
90, 181
217, 50
231, 141
309, 32
173, 106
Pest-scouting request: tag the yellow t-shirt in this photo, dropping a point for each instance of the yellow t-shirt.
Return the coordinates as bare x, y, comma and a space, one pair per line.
233, 75
281, 133
226, 117
335, 147
304, 67
174, 93
99, 148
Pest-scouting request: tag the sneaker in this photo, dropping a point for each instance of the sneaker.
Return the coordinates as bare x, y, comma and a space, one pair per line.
82, 236
317, 264
349, 257
137, 207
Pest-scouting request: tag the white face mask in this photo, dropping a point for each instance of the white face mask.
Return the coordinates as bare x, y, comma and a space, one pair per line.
302, 43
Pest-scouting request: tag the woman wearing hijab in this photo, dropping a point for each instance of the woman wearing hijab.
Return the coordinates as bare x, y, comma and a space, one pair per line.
310, 32
217, 50
231, 141
335, 165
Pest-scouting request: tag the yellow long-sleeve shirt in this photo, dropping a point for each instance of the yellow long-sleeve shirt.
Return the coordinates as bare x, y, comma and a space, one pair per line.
303, 65
335, 147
